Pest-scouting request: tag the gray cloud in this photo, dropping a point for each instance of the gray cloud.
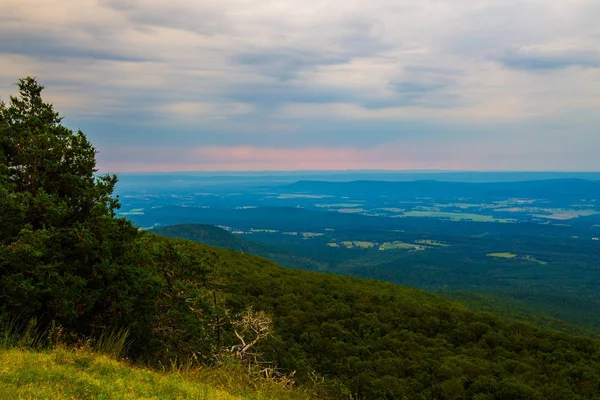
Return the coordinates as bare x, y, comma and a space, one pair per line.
273, 94
354, 38
51, 47
171, 15
415, 88
536, 59
285, 64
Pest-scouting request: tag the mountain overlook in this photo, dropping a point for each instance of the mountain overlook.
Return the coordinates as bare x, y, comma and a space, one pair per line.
73, 275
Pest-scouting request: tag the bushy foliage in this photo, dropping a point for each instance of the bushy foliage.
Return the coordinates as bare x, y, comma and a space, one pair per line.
63, 254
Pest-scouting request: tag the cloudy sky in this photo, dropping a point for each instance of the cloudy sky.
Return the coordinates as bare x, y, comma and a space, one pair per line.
174, 85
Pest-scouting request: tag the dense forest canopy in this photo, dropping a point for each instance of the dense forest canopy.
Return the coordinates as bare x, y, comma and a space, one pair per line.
66, 258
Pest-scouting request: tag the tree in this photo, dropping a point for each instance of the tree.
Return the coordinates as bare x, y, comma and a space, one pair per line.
61, 246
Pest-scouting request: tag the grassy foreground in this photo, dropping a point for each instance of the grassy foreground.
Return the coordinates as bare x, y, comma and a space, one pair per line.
73, 374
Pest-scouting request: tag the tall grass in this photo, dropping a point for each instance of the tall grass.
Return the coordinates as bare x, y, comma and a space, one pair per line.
38, 363
113, 342
14, 333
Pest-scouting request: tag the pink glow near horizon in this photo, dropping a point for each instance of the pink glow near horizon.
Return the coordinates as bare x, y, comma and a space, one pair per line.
246, 158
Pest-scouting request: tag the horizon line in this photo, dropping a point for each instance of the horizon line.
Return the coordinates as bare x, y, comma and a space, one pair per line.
342, 171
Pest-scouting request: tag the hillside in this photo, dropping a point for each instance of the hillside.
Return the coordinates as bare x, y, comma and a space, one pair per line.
214, 236
210, 235
400, 267
62, 374
379, 340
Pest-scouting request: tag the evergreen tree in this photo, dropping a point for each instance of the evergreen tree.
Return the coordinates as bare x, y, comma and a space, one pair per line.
61, 245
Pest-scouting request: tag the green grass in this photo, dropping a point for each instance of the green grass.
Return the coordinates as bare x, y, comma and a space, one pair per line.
76, 374
502, 255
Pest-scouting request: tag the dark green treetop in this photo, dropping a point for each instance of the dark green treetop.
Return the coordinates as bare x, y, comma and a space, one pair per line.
59, 239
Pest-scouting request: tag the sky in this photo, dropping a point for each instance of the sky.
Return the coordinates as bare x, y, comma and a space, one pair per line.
314, 84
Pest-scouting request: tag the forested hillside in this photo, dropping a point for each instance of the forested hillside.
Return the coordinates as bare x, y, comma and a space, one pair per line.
521, 288
210, 235
68, 263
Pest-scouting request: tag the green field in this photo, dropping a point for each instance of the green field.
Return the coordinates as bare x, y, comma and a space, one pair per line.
535, 260
358, 244
400, 245
458, 216
307, 235
502, 255
338, 205
518, 257
432, 243
301, 196
351, 210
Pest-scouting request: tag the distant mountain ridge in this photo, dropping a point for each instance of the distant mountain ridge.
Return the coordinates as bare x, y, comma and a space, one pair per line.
551, 189
233, 181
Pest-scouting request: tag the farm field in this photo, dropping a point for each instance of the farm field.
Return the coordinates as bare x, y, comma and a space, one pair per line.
458, 216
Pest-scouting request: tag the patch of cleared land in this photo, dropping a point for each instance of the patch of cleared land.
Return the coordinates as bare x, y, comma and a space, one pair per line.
400, 245
350, 210
566, 214
432, 243
551, 213
338, 205
311, 234
460, 205
333, 245
359, 244
518, 257
290, 233
535, 260
301, 196
263, 230
458, 216
502, 255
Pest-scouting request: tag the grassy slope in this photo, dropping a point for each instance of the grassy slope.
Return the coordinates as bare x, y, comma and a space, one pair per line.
64, 374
